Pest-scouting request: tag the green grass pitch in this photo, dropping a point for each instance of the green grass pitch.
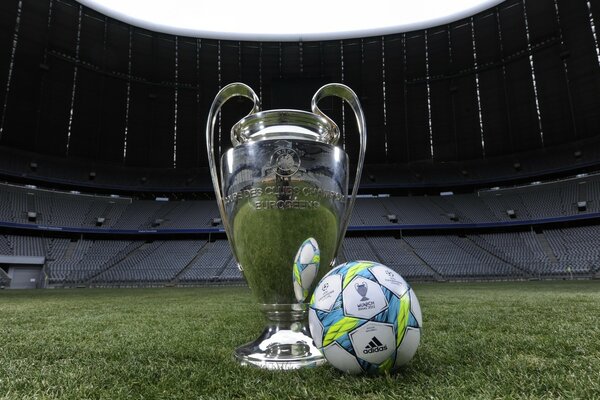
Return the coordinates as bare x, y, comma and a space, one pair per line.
480, 340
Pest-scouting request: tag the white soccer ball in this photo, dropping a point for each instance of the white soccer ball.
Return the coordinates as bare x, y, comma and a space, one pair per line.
365, 318
306, 267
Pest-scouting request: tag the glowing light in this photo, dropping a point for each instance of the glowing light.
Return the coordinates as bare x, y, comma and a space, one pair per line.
337, 154
74, 86
429, 121
270, 20
12, 64
533, 79
230, 162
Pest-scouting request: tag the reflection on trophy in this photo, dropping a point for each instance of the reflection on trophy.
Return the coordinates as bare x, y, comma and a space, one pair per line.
283, 181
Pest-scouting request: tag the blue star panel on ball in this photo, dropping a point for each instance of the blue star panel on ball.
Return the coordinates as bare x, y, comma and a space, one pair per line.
365, 318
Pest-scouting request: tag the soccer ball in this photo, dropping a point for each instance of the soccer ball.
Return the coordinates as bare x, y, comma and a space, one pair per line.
306, 267
365, 318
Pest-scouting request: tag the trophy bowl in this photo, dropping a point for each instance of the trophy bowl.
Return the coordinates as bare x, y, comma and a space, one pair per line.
283, 181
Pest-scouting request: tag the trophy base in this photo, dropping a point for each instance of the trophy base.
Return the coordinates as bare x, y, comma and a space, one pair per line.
284, 344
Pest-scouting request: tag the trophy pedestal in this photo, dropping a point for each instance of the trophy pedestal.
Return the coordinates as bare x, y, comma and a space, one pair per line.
285, 343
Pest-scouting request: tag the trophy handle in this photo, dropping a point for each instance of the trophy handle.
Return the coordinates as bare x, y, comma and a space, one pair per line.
348, 95
232, 90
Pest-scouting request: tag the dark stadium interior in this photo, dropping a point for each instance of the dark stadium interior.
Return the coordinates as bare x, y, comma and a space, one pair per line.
483, 154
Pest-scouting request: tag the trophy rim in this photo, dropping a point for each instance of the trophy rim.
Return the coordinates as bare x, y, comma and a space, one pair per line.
307, 125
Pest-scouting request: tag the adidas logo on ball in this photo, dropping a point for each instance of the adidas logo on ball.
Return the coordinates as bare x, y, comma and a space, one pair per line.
374, 346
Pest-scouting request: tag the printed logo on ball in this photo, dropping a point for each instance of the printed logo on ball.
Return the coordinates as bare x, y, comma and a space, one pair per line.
363, 298
374, 346
327, 292
374, 342
362, 289
390, 279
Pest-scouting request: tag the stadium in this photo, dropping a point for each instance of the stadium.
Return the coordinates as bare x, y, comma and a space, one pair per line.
480, 187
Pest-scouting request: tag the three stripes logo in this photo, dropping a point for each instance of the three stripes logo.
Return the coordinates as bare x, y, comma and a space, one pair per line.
374, 346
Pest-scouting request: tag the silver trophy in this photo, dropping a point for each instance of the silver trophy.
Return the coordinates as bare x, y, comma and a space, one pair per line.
283, 181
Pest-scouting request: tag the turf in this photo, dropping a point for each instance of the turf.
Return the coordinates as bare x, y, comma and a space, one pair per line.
481, 340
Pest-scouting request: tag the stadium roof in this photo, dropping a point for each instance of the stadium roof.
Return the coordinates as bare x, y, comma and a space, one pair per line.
286, 21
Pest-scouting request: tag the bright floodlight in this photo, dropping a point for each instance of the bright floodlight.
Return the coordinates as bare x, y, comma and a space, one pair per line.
292, 21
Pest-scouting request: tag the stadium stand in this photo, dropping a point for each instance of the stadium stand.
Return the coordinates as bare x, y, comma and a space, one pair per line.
510, 255
457, 257
529, 202
214, 259
400, 256
80, 261
4, 279
152, 262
